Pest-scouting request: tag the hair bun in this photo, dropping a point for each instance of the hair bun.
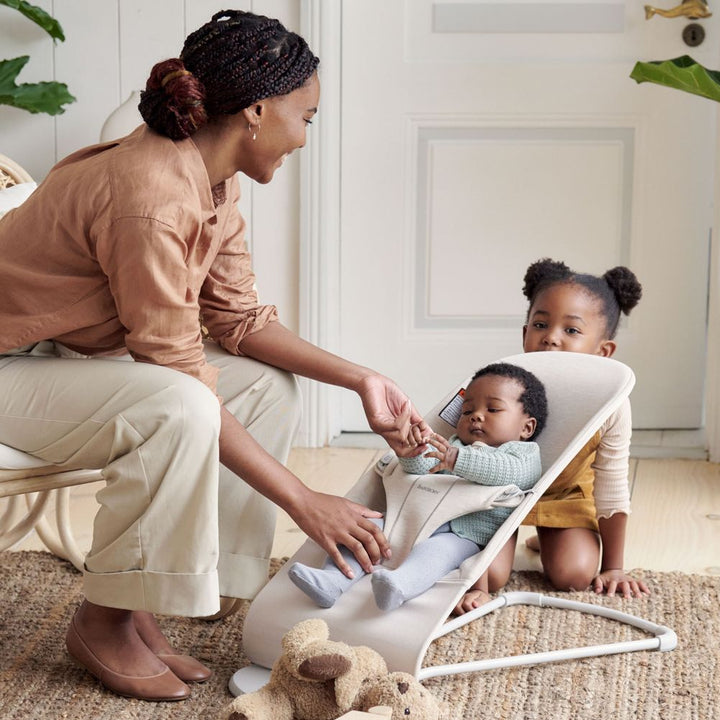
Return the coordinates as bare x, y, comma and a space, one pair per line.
172, 103
626, 287
542, 272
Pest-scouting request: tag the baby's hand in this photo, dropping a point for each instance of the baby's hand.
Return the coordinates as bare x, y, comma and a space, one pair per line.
445, 453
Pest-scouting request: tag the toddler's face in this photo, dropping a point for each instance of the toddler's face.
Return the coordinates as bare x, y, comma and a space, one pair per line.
567, 318
492, 412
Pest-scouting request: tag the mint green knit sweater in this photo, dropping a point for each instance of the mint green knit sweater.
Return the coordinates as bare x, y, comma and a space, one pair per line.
513, 463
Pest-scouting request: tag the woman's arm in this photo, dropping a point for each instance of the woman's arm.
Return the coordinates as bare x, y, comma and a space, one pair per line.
327, 519
389, 411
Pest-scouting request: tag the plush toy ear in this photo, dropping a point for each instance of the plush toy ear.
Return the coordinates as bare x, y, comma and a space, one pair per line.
296, 640
324, 667
304, 633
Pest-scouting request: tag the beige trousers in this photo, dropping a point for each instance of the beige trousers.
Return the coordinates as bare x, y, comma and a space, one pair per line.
175, 529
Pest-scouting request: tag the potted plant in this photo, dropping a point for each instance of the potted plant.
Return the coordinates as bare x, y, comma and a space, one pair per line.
682, 73
45, 97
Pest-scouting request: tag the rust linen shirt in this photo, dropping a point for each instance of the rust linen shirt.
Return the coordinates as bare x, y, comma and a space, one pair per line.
121, 248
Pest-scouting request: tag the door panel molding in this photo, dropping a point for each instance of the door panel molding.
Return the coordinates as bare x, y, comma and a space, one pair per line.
513, 17
493, 208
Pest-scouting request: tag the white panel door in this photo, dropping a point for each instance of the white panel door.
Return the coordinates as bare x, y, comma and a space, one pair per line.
479, 137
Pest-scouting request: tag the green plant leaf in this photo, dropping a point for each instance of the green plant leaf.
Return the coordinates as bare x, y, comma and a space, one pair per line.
682, 73
47, 97
38, 16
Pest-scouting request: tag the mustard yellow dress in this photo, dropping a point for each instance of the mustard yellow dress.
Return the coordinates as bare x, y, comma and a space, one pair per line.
569, 501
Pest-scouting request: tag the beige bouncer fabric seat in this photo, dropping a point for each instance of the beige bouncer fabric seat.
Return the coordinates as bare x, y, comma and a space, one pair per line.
28, 485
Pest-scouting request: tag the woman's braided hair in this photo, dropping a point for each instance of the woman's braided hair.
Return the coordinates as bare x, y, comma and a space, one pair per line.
618, 290
228, 64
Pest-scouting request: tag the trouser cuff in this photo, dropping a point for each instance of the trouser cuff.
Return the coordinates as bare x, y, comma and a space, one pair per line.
190, 595
242, 576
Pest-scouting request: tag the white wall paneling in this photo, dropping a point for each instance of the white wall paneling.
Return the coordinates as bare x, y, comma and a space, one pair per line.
27, 139
89, 63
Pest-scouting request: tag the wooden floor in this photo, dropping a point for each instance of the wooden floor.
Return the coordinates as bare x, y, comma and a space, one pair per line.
674, 525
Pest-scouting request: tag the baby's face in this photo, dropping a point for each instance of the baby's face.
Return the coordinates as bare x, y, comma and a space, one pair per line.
492, 412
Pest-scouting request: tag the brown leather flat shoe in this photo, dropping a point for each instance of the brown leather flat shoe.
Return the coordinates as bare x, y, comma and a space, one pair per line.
165, 686
186, 667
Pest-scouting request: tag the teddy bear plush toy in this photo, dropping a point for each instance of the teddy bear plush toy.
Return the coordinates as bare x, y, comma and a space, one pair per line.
316, 678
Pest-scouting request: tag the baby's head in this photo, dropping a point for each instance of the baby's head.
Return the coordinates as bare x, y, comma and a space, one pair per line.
502, 403
576, 312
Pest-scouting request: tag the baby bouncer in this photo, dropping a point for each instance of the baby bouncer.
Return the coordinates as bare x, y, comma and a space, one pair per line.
582, 391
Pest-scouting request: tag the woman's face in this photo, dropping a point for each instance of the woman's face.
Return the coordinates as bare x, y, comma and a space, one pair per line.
281, 127
567, 318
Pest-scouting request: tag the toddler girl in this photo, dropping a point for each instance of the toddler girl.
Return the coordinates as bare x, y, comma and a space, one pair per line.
581, 518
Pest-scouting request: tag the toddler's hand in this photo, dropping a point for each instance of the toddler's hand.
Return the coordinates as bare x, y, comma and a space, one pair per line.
616, 581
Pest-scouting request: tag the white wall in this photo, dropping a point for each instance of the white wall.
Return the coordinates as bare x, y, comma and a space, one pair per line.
712, 393
109, 50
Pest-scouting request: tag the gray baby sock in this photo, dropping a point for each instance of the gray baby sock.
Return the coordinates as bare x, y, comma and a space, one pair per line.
326, 584
388, 594
316, 584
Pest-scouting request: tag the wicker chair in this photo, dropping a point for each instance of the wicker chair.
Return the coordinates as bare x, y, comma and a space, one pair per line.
26, 478
11, 173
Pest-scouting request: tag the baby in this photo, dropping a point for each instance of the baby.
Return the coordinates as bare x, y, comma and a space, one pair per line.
504, 407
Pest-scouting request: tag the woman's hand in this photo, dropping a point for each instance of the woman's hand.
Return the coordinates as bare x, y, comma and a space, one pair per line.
445, 453
332, 521
417, 441
612, 581
391, 414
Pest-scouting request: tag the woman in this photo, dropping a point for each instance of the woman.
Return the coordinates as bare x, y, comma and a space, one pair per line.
117, 255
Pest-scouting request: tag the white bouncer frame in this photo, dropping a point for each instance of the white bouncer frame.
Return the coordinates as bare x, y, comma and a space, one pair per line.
663, 638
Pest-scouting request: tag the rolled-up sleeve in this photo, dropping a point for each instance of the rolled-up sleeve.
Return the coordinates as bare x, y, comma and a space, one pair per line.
228, 298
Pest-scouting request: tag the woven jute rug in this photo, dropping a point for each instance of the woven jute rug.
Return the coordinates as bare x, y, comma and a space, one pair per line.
39, 593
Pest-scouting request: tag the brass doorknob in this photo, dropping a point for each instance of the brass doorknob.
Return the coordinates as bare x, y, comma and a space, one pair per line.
693, 9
